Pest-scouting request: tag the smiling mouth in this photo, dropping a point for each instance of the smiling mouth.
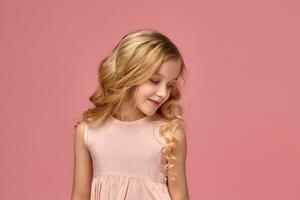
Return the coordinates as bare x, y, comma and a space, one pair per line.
156, 104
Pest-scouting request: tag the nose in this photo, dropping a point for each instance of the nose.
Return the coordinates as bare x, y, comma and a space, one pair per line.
162, 91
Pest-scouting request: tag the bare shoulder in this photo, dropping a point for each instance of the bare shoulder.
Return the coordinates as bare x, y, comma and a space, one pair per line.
181, 144
82, 164
180, 133
177, 182
79, 129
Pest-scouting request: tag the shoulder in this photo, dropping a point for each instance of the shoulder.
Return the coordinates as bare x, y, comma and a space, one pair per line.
79, 128
180, 136
180, 133
80, 133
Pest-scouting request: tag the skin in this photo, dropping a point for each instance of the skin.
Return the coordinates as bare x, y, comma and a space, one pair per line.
158, 88
83, 169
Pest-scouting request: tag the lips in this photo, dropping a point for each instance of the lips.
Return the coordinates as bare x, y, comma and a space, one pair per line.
156, 102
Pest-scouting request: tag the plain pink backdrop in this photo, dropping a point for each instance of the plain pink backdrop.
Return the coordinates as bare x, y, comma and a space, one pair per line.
241, 95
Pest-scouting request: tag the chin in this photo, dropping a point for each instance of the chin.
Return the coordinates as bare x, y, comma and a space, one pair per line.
148, 111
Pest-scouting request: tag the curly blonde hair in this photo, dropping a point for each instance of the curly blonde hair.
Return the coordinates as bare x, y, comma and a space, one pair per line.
131, 62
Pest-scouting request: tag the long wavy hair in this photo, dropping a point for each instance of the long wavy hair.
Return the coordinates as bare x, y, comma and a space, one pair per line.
131, 62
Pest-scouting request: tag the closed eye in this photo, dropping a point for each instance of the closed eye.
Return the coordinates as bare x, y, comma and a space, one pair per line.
156, 82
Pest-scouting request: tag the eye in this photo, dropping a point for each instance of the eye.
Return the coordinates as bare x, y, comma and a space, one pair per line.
156, 82
153, 81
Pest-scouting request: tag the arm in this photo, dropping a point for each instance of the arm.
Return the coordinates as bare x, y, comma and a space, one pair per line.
82, 175
178, 188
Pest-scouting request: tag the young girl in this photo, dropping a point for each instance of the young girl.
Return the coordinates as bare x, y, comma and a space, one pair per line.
131, 144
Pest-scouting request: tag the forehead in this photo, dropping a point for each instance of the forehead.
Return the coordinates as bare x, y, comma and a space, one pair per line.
169, 69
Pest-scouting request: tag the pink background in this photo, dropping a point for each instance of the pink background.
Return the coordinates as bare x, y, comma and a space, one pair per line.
241, 96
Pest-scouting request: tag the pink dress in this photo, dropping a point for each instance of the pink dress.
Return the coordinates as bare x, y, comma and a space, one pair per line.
126, 160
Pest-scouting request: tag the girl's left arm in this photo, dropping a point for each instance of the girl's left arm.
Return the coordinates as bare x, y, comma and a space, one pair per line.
178, 188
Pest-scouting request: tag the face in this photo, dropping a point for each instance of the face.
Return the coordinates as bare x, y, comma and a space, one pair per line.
151, 94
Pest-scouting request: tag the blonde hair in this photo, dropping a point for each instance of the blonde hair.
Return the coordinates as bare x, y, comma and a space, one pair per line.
131, 62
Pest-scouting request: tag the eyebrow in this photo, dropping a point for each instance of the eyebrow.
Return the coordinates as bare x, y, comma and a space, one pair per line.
163, 75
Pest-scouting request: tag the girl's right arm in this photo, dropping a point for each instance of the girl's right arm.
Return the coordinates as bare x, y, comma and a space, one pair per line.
82, 175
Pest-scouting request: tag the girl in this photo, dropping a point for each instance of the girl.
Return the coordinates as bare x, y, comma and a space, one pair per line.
131, 144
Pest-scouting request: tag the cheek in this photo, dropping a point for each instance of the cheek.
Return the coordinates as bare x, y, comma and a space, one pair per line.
146, 90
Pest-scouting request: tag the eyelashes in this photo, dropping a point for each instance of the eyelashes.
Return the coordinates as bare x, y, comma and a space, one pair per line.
156, 82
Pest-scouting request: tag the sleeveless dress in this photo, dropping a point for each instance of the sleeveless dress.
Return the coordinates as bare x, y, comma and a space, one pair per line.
126, 157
